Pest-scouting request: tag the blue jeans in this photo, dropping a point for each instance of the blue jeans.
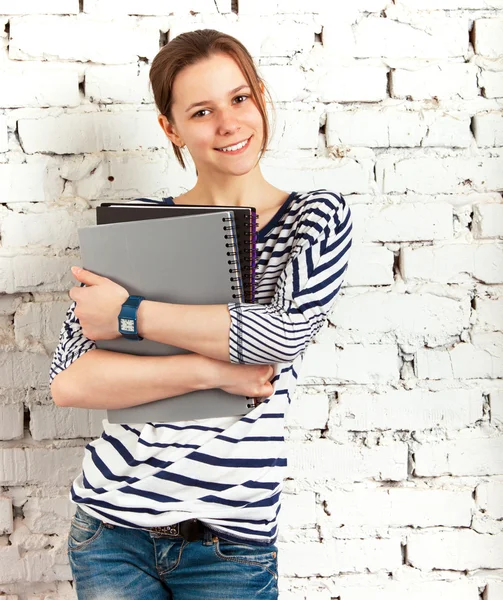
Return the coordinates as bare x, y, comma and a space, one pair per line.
117, 563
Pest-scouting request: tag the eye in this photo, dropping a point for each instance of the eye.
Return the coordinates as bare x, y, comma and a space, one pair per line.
200, 113
241, 98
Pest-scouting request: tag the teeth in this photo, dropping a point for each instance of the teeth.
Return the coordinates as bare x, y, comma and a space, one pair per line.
236, 147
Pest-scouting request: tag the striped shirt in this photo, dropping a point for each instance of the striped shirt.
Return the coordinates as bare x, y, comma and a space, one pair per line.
227, 472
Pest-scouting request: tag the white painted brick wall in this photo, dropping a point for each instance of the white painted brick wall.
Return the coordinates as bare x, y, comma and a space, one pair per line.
457, 550
395, 475
38, 85
400, 508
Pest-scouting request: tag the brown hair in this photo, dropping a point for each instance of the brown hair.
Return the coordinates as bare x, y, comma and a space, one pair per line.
191, 47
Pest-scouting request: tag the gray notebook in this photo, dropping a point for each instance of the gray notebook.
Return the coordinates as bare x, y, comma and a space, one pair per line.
182, 260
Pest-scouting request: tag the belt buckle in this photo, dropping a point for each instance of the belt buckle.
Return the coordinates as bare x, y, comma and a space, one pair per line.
167, 529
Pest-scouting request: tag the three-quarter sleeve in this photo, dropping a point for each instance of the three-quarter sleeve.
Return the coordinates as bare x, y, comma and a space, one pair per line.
305, 292
72, 344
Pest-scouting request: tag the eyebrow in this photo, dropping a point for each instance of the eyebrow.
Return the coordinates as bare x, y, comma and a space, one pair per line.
204, 102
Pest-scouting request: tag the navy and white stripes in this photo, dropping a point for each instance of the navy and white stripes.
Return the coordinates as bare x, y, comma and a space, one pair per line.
227, 472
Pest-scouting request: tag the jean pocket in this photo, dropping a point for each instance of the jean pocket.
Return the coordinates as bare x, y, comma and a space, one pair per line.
262, 556
84, 530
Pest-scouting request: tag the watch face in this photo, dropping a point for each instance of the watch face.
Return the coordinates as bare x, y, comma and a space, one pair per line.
127, 325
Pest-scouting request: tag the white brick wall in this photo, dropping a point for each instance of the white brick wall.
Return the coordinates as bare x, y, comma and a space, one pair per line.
395, 475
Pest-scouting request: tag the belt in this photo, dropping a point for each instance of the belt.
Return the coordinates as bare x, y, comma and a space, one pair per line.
190, 530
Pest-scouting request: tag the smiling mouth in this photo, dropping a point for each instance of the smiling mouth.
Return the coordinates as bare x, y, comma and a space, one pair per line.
235, 147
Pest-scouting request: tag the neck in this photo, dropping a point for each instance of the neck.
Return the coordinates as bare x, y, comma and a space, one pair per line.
250, 189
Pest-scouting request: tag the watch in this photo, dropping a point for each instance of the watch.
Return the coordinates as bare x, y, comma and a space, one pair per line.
128, 318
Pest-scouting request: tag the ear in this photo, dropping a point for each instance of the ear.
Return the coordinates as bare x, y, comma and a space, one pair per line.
170, 131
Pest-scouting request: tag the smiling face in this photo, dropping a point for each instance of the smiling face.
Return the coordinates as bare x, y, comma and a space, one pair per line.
214, 115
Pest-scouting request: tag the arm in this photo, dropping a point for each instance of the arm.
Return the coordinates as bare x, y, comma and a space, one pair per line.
276, 332
103, 379
83, 376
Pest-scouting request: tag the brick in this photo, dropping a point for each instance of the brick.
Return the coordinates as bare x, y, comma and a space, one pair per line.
453, 263
286, 84
269, 7
397, 128
309, 411
400, 508
488, 127
40, 321
154, 7
324, 459
487, 221
449, 175
35, 7
464, 457
12, 421
355, 364
23, 369
4, 143
480, 359
406, 410
448, 4
82, 38
48, 515
54, 422
133, 176
435, 36
375, 316
488, 314
37, 180
6, 275
496, 402
97, 131
116, 84
298, 511
489, 497
9, 304
295, 128
57, 228
370, 265
494, 590
12, 566
12, 467
38, 85
409, 222
491, 83
361, 84
455, 550
295, 37
43, 273
351, 175
339, 556
488, 40
438, 81
53, 466
415, 590
6, 518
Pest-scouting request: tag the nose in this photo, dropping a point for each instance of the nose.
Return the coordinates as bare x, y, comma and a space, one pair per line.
228, 123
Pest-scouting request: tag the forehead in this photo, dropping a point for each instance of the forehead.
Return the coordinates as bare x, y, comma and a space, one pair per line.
209, 78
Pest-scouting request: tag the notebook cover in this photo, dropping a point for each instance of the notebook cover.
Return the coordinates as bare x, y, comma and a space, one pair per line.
245, 218
183, 261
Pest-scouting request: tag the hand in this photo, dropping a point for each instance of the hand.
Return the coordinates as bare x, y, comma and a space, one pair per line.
97, 305
247, 380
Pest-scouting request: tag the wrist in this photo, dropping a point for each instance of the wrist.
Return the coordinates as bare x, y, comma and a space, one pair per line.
208, 372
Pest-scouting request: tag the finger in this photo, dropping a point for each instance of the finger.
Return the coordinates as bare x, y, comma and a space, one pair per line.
86, 276
73, 293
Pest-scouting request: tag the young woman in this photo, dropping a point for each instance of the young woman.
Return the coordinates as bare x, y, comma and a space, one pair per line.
189, 510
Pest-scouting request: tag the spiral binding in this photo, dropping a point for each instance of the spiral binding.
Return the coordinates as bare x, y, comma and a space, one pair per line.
233, 258
249, 252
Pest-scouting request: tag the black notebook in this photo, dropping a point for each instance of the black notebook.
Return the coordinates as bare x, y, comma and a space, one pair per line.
245, 219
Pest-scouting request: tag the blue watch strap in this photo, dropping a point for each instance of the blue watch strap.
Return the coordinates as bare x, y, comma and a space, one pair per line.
128, 318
